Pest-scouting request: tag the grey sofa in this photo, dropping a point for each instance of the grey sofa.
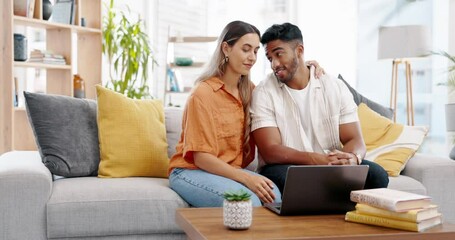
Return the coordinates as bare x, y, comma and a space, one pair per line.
34, 205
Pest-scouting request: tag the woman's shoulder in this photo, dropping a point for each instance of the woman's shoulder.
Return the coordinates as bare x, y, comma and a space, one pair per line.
204, 89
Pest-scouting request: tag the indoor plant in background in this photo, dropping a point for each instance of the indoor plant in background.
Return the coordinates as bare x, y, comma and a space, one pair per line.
450, 106
237, 209
451, 74
128, 51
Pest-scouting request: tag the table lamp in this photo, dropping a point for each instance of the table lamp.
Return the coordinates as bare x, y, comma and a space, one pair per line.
401, 43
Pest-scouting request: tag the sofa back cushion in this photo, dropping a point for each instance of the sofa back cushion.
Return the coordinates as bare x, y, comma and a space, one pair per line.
66, 133
132, 136
359, 98
173, 120
389, 144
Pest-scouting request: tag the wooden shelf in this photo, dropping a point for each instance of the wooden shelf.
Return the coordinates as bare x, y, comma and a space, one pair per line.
193, 39
81, 47
19, 109
194, 65
37, 23
172, 92
41, 65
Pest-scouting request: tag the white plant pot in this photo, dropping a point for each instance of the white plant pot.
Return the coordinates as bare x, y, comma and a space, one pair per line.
237, 214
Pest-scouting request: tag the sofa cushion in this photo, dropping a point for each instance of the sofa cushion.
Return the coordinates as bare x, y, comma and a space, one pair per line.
66, 133
91, 206
407, 184
173, 120
132, 136
389, 144
359, 98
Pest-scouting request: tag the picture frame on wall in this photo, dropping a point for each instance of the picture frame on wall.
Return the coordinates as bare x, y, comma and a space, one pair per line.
62, 12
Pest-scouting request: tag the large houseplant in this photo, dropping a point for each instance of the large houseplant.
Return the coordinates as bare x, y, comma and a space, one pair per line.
450, 71
128, 51
450, 106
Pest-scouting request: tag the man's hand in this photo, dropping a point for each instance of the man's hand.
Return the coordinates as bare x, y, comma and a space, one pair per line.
342, 158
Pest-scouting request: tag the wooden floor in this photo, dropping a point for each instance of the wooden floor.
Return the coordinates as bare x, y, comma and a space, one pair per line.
207, 223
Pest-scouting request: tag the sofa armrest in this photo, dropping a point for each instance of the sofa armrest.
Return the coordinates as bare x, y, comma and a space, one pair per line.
437, 174
25, 188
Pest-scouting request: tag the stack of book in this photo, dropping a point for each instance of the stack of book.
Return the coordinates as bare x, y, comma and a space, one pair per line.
46, 57
394, 209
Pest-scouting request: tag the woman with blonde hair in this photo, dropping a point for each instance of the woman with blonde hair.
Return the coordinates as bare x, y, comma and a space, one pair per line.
215, 146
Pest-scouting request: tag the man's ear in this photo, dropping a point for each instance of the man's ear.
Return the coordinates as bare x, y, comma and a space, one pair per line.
300, 50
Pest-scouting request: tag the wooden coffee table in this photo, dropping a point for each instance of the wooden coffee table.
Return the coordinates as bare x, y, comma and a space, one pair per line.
207, 223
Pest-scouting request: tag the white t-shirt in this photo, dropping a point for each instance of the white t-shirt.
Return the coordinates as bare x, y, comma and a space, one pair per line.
302, 100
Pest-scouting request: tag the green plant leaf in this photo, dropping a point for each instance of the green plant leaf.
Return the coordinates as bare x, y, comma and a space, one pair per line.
450, 83
239, 195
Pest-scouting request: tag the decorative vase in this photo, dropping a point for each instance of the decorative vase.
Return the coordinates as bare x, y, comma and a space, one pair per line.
20, 47
47, 9
79, 87
237, 214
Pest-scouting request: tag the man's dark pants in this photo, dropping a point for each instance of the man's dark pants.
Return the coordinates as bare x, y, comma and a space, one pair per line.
376, 178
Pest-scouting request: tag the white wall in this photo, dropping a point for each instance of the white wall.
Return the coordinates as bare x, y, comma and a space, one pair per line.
329, 29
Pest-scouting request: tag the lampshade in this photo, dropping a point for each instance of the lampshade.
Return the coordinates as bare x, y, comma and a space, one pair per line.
403, 41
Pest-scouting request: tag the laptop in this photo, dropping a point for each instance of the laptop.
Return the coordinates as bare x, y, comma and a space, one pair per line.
320, 189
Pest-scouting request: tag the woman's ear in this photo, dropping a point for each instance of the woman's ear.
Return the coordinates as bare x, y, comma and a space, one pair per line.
225, 48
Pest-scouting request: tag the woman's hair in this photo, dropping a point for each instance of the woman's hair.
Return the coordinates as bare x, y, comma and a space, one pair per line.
217, 66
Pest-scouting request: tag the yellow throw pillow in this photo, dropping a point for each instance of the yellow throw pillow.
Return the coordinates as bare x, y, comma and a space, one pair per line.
132, 136
389, 144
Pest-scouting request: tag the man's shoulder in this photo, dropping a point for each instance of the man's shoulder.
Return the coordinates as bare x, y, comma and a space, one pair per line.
331, 82
329, 78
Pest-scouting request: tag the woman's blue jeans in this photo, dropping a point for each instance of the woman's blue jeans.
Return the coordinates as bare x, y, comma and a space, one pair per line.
203, 189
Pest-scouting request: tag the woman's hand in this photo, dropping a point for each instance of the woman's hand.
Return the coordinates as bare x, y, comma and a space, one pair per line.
319, 71
261, 186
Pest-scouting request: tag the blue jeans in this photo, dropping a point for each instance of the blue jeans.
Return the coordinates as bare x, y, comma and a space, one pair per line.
376, 178
203, 189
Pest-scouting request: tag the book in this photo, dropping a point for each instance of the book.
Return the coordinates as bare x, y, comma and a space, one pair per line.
41, 53
21, 7
31, 8
173, 87
16, 95
393, 200
354, 216
415, 215
48, 57
179, 80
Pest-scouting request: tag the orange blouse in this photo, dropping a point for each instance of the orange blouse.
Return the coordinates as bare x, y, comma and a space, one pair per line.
213, 122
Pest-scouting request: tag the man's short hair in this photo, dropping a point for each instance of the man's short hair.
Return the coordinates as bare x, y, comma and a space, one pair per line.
286, 32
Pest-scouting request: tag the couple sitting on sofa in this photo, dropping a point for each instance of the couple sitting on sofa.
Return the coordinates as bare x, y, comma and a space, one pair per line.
294, 118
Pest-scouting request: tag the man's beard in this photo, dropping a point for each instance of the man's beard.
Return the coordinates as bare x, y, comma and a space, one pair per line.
291, 71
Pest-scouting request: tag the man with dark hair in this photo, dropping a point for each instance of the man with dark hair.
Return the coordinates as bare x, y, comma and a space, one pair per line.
300, 120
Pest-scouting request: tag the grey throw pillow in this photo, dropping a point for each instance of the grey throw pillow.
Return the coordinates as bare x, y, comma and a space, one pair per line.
66, 133
358, 98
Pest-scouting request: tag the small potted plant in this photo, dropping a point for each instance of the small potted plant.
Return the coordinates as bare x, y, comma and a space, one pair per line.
237, 209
